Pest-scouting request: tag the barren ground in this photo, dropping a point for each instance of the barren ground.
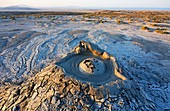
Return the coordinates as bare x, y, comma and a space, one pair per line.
28, 43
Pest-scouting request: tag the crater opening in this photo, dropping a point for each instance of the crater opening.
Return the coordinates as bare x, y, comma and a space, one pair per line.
92, 66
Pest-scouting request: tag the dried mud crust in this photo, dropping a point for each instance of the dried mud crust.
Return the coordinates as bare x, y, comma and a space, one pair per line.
52, 90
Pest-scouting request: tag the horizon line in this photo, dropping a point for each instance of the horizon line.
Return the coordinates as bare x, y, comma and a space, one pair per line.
20, 5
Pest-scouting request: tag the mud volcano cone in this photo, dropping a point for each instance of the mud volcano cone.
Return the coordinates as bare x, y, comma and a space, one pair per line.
87, 79
89, 63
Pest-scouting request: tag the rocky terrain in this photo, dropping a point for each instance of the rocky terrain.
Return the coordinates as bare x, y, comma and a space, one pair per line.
30, 42
52, 90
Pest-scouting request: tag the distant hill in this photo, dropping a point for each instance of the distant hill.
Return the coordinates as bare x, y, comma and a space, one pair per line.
11, 8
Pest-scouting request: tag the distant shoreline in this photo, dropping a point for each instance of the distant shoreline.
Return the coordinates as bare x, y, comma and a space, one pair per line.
79, 9
70, 11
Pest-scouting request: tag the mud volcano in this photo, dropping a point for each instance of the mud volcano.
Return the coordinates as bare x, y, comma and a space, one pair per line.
87, 79
88, 63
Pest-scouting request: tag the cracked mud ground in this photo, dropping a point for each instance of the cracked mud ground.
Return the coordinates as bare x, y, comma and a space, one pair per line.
52, 90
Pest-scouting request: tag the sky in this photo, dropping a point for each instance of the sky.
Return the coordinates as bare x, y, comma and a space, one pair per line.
89, 3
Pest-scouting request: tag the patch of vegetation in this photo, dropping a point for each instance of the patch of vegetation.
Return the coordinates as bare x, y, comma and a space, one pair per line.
130, 21
161, 31
52, 19
101, 21
4, 17
110, 17
12, 18
39, 16
149, 16
26, 16
73, 19
119, 21
145, 28
154, 25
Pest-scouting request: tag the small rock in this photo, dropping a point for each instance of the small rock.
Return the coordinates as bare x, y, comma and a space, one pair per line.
16, 108
58, 103
45, 107
87, 100
77, 50
37, 85
50, 93
34, 104
53, 100
41, 90
105, 55
121, 103
34, 95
